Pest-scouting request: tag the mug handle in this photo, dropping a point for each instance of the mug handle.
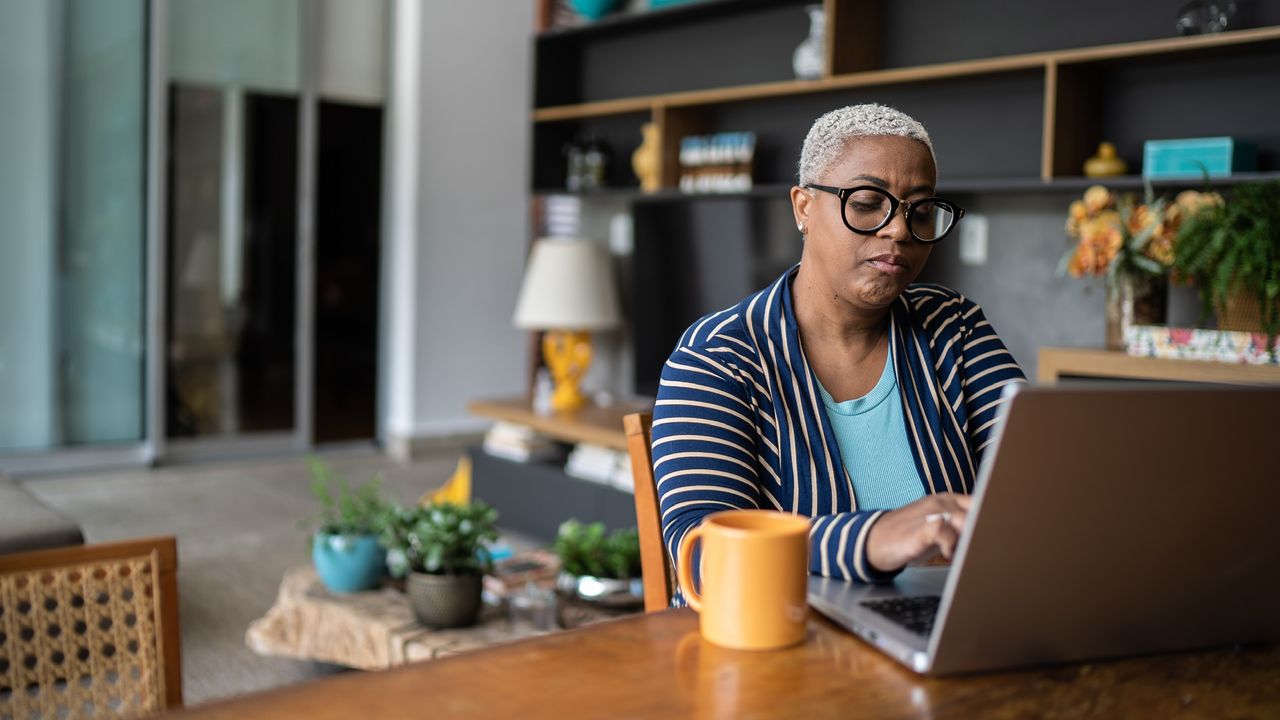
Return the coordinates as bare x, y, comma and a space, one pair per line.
684, 573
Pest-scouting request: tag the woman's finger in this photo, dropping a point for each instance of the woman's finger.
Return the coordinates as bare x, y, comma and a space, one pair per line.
945, 538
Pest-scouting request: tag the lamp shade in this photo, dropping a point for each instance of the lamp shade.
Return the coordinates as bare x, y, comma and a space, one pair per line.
568, 285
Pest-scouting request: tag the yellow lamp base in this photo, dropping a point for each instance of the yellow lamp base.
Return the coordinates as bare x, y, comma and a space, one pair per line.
568, 355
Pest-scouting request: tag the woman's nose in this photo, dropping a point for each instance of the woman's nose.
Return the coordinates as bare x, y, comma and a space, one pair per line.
898, 230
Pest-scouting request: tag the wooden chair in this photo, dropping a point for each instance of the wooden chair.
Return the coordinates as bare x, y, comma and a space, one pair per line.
653, 554
90, 630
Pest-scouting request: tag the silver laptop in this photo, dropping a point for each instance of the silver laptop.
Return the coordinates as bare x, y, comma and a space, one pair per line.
1107, 521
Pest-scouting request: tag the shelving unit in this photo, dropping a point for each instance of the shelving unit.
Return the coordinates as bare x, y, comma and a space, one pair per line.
533, 498
1013, 122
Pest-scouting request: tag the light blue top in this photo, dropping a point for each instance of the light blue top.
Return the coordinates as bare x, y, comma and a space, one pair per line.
872, 435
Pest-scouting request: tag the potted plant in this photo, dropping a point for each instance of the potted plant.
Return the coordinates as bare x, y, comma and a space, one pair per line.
345, 547
597, 566
443, 549
1232, 252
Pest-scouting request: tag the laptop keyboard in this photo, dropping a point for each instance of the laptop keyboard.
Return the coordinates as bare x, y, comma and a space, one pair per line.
914, 613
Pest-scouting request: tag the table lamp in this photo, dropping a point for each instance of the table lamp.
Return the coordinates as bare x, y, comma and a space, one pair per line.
568, 291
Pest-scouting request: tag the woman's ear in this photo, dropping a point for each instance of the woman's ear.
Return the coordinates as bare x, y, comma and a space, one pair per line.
801, 205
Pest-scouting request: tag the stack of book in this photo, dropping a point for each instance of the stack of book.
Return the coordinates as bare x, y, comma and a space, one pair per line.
519, 443
601, 464
1197, 344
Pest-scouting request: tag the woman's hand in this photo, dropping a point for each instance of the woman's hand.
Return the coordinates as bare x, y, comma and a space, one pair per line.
928, 526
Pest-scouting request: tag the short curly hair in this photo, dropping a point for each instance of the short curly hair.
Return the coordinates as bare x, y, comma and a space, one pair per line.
831, 132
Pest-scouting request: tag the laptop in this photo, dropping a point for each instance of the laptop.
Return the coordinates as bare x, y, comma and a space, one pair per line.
1108, 520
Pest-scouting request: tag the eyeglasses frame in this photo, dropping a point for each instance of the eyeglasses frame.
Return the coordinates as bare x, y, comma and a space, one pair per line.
894, 204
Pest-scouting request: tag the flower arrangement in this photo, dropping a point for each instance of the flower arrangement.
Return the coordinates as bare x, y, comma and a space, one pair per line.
1117, 235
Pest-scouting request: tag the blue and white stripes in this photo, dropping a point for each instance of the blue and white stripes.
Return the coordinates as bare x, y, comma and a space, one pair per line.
740, 423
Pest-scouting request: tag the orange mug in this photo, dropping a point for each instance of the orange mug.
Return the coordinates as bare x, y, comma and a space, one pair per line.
755, 567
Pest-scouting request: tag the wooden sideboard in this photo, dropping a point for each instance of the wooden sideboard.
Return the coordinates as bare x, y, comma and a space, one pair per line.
595, 424
1058, 363
534, 497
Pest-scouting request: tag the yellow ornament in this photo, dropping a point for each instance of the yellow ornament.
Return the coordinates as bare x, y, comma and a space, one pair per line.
1105, 163
644, 161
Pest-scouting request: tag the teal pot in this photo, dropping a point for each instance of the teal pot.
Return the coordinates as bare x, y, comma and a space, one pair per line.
444, 601
348, 563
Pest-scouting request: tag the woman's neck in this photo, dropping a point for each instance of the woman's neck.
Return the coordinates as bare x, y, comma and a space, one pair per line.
827, 318
843, 344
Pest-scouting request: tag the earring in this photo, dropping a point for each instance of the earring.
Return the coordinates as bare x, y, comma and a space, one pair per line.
800, 227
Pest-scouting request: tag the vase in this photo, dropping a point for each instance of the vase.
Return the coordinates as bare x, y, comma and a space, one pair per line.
1105, 163
1133, 300
644, 161
807, 61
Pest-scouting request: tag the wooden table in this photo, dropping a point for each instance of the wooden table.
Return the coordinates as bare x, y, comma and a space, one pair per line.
370, 630
657, 666
376, 630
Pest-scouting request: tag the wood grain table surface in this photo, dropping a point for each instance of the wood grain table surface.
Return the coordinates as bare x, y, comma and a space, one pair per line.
657, 666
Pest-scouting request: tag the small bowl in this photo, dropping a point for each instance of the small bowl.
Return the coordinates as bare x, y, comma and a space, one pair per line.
610, 592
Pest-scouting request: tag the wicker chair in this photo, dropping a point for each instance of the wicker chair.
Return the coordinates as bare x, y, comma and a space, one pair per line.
654, 563
90, 630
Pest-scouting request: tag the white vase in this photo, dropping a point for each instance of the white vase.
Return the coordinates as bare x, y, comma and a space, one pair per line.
808, 58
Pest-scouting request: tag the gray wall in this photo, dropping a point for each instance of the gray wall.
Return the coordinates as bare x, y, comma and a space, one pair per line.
1029, 305
458, 211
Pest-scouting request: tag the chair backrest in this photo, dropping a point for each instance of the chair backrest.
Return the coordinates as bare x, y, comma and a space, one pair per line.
90, 629
653, 554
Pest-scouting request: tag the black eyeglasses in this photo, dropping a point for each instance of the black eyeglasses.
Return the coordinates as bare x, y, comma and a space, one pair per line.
866, 209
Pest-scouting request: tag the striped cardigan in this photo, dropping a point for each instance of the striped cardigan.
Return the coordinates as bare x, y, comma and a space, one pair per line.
739, 421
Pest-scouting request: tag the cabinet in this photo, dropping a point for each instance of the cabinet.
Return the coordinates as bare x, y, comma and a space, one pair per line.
1015, 96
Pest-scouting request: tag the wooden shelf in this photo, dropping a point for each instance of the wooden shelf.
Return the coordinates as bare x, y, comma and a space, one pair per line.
898, 76
947, 186
1058, 363
592, 424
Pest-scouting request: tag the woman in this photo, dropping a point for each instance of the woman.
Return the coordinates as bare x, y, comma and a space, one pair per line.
841, 392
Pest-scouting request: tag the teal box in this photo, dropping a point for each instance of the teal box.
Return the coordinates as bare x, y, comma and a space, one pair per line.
1217, 156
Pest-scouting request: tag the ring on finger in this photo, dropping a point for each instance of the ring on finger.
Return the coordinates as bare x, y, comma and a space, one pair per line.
945, 517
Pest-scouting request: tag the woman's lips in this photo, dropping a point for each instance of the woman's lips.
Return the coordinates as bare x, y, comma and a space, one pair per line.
889, 263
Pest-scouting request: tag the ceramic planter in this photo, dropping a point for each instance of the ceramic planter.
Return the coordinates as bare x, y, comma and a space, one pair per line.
348, 563
444, 601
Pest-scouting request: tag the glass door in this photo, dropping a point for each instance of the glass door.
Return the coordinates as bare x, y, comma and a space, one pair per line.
237, 322
72, 218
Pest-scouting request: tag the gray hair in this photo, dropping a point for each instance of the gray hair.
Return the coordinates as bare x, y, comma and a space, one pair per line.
832, 132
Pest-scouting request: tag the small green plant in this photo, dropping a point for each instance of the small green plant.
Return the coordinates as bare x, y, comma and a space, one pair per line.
441, 539
585, 549
345, 510
1234, 246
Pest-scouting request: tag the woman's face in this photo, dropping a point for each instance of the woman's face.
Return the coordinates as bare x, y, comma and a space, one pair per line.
866, 271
